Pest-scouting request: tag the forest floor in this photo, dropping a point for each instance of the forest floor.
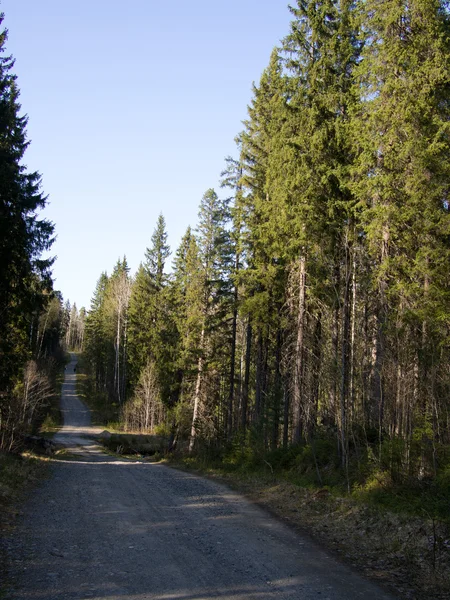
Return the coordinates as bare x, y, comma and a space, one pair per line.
408, 555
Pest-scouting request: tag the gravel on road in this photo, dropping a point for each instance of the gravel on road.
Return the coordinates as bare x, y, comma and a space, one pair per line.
112, 529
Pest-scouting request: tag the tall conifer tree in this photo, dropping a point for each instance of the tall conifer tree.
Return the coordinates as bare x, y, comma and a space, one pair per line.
24, 275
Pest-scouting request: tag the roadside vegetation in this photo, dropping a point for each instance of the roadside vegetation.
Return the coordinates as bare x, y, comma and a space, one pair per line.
25, 459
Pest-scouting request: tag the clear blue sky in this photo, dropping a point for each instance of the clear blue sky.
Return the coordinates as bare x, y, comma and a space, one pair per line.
132, 109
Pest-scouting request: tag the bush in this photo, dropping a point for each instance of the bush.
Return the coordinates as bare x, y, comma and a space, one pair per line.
24, 409
246, 451
146, 445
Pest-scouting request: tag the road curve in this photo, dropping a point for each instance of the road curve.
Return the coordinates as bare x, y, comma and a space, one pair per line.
110, 529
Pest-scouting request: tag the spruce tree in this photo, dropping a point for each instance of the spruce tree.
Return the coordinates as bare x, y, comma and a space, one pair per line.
96, 337
24, 275
401, 179
151, 325
157, 254
320, 53
261, 234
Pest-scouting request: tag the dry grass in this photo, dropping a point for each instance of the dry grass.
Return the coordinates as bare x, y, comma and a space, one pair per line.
18, 475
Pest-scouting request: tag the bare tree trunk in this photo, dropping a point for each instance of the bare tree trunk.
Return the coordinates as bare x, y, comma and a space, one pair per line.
335, 346
232, 367
398, 420
198, 384
39, 353
377, 383
124, 356
351, 393
316, 363
245, 387
286, 410
299, 354
152, 416
345, 359
259, 377
117, 357
277, 392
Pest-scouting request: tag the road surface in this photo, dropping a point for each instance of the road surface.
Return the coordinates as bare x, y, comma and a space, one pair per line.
111, 529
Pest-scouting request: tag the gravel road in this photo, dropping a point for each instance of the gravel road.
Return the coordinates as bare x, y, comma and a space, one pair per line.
105, 528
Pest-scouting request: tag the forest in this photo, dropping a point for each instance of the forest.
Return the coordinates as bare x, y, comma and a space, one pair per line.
307, 312
306, 315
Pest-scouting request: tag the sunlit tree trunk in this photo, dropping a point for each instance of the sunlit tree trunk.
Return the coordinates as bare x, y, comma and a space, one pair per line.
297, 387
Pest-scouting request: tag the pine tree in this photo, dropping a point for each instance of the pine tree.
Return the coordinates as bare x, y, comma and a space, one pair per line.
232, 179
140, 323
24, 275
204, 286
118, 298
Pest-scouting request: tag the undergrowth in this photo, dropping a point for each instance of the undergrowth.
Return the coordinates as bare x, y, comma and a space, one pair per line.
369, 478
52, 420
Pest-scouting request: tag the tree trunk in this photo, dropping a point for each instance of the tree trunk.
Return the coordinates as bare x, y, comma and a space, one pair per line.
197, 394
335, 348
117, 361
286, 411
299, 355
316, 364
277, 391
377, 384
43, 333
345, 344
259, 376
351, 393
232, 368
124, 357
245, 388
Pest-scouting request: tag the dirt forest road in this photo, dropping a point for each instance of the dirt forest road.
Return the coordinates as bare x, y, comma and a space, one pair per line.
111, 529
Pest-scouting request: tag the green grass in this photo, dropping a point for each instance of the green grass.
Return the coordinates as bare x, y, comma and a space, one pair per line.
426, 499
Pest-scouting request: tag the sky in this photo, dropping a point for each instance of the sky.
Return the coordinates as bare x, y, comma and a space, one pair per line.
132, 109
